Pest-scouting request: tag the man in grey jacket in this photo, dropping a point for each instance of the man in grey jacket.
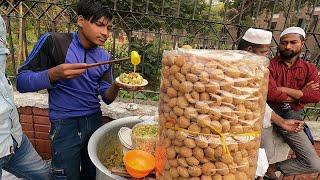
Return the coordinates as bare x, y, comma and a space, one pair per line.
17, 154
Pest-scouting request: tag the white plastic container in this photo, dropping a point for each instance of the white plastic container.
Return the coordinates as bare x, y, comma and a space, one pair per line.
124, 135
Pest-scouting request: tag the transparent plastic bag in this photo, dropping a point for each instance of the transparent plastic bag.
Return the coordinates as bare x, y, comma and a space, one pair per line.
210, 113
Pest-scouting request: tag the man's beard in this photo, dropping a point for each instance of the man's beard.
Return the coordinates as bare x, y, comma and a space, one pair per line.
288, 54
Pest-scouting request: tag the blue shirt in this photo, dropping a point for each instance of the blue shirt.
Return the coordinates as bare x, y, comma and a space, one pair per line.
71, 97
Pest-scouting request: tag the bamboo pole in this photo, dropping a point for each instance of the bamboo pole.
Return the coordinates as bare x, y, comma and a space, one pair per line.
22, 44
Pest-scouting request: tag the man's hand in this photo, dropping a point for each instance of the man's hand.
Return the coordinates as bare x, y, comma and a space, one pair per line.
282, 89
66, 71
292, 125
294, 93
311, 86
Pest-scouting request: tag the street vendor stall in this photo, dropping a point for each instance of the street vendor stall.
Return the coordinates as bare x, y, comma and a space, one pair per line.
210, 120
105, 149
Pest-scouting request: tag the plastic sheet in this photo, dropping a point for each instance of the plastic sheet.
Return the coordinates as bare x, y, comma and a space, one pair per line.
210, 113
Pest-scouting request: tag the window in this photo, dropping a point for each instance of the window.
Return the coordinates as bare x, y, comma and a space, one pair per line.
273, 25
314, 22
300, 22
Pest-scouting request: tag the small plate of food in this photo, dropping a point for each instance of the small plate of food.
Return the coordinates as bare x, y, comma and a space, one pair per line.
131, 80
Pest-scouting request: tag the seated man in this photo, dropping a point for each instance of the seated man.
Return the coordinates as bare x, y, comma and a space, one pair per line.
292, 84
258, 41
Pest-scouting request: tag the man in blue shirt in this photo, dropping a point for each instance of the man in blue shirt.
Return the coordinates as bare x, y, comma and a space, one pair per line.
58, 64
17, 155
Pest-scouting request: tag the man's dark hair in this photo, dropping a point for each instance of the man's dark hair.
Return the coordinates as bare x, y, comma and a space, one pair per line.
93, 10
243, 45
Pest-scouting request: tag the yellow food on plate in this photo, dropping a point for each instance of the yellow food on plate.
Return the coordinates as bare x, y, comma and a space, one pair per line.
131, 78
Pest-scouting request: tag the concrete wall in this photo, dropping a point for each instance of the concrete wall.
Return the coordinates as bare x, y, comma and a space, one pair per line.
36, 125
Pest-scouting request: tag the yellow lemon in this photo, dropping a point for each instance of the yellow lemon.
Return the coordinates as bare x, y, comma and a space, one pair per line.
135, 58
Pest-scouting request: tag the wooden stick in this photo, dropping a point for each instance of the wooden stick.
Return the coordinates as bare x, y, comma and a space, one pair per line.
122, 172
106, 62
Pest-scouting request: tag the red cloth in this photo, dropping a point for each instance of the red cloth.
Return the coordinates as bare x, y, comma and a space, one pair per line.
295, 77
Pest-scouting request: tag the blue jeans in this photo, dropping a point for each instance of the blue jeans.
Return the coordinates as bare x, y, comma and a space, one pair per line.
25, 162
69, 141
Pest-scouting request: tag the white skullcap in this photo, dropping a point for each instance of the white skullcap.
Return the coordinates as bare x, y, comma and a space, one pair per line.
293, 30
258, 36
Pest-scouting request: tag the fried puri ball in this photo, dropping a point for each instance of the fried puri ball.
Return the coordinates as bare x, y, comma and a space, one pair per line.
190, 143
204, 77
216, 100
182, 102
232, 72
180, 77
165, 83
175, 84
204, 96
226, 110
185, 152
241, 82
174, 69
190, 113
178, 111
186, 87
199, 87
194, 128
227, 84
227, 97
202, 107
197, 68
212, 87
183, 122
190, 99
208, 169
192, 77
168, 60
203, 120
194, 171
225, 125
215, 113
241, 111
186, 68
205, 130
180, 61
173, 102
172, 92
165, 71
216, 74
195, 95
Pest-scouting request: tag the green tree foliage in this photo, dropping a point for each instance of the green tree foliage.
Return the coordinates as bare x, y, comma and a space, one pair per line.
189, 20
172, 16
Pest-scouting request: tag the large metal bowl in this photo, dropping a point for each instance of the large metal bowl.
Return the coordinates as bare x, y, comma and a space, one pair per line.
103, 138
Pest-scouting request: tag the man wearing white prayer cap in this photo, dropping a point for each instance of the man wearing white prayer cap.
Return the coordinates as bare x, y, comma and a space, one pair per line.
294, 83
258, 41
293, 30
